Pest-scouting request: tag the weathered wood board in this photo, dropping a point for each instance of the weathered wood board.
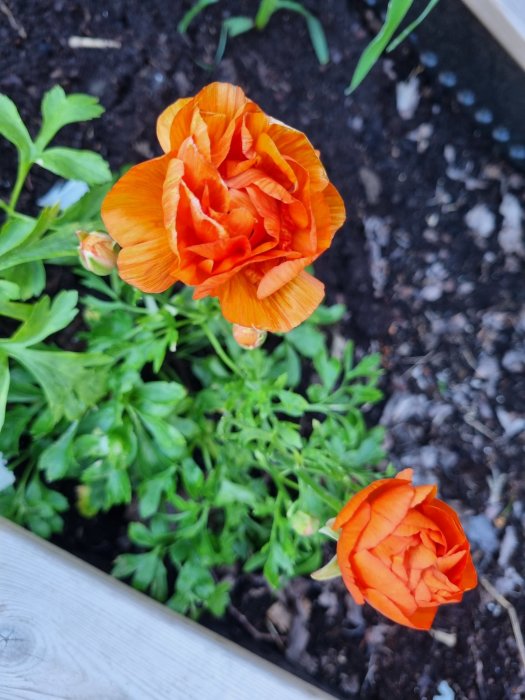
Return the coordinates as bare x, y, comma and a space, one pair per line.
505, 19
71, 632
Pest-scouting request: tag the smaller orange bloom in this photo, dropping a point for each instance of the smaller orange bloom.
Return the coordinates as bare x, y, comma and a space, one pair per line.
403, 551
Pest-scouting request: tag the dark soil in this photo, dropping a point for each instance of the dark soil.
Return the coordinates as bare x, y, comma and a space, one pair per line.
442, 299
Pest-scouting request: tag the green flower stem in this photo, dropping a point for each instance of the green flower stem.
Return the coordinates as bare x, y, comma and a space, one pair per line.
329, 500
21, 175
220, 350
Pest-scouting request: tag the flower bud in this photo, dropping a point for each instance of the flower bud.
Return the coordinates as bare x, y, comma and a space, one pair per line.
248, 338
97, 252
303, 523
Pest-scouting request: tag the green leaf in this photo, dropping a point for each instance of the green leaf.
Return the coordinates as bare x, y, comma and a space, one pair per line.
238, 25
189, 16
218, 601
59, 109
291, 403
13, 128
397, 10
229, 492
328, 369
46, 318
4, 385
307, 340
169, 440
14, 232
327, 315
413, 25
71, 381
58, 458
192, 477
31, 280
139, 534
75, 165
61, 244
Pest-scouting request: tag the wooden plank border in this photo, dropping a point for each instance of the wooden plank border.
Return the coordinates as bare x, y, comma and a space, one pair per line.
505, 19
70, 631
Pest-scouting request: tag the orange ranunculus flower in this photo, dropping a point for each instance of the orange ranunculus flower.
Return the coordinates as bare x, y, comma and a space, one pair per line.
403, 551
237, 207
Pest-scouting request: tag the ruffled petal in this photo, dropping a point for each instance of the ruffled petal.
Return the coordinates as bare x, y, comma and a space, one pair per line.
278, 313
221, 98
373, 573
133, 215
165, 121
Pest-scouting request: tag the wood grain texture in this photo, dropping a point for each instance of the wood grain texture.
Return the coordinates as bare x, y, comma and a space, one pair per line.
505, 19
71, 632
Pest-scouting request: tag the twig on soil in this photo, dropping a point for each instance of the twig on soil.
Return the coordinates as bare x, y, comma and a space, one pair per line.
469, 418
243, 620
511, 610
19, 29
90, 42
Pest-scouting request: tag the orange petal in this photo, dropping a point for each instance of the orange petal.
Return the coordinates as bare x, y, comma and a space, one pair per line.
165, 121
405, 474
148, 265
353, 504
423, 618
383, 604
373, 573
171, 195
294, 144
280, 275
277, 313
423, 493
221, 98
132, 213
388, 508
273, 162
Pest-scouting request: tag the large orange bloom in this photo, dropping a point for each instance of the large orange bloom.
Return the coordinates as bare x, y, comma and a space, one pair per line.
237, 207
403, 551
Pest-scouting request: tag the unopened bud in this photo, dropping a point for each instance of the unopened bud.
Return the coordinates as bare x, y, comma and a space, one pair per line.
304, 524
97, 252
248, 338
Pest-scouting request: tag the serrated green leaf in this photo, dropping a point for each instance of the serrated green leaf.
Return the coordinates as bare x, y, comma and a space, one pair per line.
59, 109
71, 381
13, 128
45, 319
291, 403
58, 458
74, 164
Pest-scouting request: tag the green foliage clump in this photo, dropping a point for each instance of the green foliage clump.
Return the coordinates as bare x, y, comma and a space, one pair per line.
222, 460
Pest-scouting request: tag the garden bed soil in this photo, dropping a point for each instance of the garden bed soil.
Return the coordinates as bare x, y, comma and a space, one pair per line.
430, 265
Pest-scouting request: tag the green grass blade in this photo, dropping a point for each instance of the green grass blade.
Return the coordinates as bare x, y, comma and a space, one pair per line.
189, 16
413, 25
265, 12
315, 29
397, 9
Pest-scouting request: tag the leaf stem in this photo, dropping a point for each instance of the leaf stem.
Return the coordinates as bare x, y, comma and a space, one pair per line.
23, 169
220, 350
